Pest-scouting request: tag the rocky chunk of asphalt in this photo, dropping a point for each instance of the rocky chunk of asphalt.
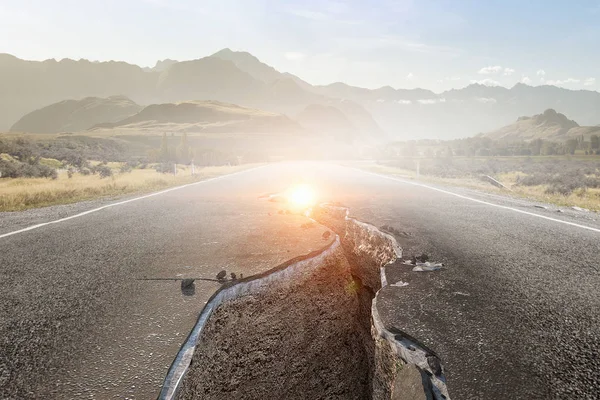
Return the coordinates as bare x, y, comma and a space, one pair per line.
188, 288
410, 384
221, 275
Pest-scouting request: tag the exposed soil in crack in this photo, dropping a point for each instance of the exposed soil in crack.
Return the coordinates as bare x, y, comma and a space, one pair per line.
309, 338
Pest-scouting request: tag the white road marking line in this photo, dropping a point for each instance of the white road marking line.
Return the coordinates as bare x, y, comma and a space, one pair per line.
29, 228
589, 228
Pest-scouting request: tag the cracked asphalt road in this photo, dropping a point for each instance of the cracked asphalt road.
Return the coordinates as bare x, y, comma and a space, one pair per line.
76, 321
513, 315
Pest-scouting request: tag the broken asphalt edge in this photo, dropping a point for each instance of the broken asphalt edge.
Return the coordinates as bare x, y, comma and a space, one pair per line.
404, 347
233, 290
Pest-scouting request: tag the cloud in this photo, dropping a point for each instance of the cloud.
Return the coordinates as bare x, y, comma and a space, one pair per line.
496, 69
490, 70
540, 72
559, 82
295, 56
486, 100
404, 102
589, 82
508, 71
526, 80
486, 82
431, 101
410, 76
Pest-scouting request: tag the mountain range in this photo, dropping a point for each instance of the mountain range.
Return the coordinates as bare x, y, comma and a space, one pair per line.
242, 79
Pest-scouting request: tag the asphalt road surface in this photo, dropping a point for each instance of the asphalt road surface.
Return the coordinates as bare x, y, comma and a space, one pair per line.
514, 314
77, 318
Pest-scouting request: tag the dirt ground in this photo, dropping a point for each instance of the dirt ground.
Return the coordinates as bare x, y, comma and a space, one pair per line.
302, 340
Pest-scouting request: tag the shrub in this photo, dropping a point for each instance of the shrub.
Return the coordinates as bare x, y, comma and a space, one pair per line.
534, 180
165, 168
17, 169
104, 171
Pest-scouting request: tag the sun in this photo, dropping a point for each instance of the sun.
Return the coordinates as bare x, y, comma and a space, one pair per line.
302, 195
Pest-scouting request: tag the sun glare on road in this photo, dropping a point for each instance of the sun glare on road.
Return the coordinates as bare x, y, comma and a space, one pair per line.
301, 196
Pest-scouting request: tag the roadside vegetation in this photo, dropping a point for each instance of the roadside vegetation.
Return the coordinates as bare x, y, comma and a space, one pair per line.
23, 193
37, 173
560, 180
480, 146
561, 173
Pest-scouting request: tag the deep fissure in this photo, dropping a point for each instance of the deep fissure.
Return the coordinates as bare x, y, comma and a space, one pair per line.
309, 338
306, 333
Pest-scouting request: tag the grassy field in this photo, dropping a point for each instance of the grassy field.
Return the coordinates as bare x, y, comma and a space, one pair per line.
23, 193
560, 180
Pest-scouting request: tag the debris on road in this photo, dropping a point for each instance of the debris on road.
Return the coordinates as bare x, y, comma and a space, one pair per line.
221, 275
427, 267
186, 283
188, 288
233, 276
399, 284
326, 235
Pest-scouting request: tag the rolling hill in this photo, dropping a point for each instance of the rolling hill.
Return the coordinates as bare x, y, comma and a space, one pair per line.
206, 117
550, 125
76, 115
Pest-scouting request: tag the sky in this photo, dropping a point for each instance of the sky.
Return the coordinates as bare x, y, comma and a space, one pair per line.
432, 44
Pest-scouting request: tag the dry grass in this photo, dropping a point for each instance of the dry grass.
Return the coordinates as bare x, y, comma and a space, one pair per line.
23, 193
584, 198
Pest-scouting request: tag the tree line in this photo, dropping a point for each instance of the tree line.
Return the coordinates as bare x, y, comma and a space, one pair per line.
484, 146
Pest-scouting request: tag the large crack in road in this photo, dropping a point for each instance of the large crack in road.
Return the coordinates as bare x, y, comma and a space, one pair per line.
308, 329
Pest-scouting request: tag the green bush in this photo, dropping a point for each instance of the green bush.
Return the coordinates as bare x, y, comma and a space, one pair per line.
104, 171
17, 169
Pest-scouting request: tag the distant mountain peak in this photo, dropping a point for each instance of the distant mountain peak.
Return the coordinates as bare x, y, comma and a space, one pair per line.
229, 54
549, 125
162, 65
550, 116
